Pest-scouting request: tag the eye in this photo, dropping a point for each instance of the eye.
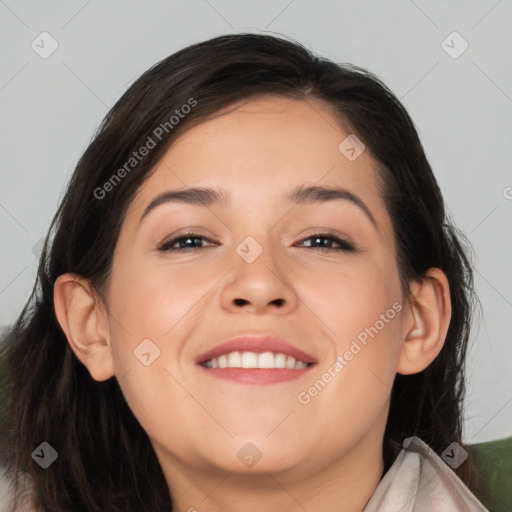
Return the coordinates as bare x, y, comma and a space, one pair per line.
319, 238
185, 243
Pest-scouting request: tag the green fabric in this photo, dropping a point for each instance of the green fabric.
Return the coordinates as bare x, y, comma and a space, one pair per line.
494, 465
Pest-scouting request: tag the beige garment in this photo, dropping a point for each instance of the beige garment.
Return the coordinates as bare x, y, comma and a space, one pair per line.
421, 481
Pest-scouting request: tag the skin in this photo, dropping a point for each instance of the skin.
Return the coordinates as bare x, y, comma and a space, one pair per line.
325, 454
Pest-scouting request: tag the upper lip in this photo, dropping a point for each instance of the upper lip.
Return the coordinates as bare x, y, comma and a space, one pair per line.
257, 344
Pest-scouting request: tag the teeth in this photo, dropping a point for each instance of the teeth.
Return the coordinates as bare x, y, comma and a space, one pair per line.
265, 360
280, 360
290, 362
234, 360
249, 360
253, 360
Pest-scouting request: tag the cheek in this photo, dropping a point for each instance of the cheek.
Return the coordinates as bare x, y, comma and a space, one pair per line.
350, 392
154, 309
362, 310
351, 298
162, 406
155, 299
351, 389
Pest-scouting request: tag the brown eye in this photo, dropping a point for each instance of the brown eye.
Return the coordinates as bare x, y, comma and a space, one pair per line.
320, 238
186, 243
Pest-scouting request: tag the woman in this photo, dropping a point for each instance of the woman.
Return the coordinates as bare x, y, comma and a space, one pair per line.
250, 297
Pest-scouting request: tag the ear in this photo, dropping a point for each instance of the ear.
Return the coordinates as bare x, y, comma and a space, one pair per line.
85, 324
426, 322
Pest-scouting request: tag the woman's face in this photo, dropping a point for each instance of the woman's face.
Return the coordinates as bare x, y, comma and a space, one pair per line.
260, 268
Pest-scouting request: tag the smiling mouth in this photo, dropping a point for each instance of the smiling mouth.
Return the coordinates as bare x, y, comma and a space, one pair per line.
248, 360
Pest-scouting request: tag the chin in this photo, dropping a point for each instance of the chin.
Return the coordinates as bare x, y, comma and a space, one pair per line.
251, 455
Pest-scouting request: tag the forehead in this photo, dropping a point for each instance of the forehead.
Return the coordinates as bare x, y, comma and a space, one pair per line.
259, 149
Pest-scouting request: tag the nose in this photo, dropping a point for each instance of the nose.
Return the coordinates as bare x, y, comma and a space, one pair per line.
260, 285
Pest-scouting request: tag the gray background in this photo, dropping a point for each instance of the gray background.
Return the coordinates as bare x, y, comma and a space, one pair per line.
462, 108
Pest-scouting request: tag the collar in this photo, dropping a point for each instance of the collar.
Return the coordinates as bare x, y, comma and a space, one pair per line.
420, 481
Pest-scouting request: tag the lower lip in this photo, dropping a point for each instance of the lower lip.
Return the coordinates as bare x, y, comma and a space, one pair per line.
256, 375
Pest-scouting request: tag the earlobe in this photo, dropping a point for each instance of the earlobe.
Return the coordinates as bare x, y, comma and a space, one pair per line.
84, 323
426, 322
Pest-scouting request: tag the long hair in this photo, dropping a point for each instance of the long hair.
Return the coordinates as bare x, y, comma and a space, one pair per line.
105, 459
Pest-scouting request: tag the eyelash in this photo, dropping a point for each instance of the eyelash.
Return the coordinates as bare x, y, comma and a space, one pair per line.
167, 246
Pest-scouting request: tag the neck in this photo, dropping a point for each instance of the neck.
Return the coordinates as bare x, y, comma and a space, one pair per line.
344, 485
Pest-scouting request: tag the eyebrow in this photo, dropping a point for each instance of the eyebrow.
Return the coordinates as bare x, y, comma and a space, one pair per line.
204, 196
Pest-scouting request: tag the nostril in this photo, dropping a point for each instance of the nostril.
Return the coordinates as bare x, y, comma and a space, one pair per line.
241, 302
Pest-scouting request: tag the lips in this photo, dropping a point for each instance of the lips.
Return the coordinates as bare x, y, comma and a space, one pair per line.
257, 345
